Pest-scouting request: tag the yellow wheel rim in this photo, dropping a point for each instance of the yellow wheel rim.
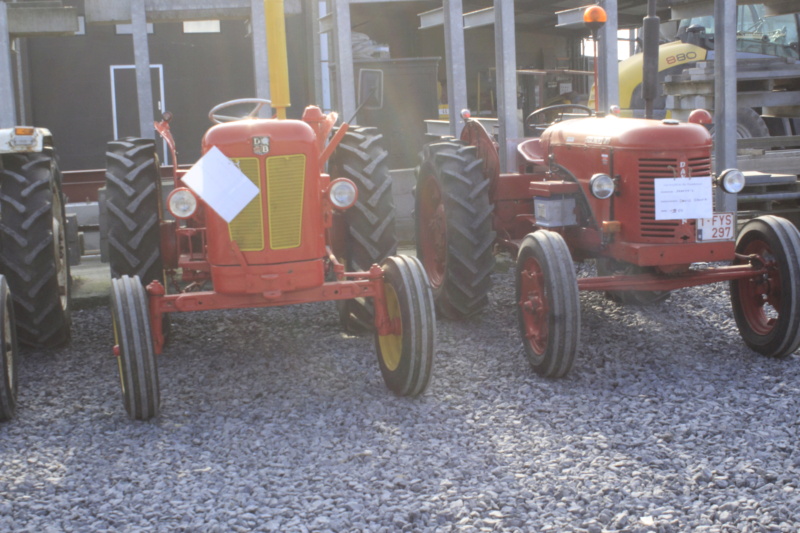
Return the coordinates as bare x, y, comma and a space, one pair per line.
391, 345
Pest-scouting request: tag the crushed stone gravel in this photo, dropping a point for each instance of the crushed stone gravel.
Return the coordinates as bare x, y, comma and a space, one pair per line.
275, 420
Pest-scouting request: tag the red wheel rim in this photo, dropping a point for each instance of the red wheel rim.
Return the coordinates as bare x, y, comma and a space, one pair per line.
533, 305
761, 297
432, 231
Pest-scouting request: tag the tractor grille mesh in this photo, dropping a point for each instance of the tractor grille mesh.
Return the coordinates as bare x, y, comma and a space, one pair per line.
285, 186
247, 229
649, 171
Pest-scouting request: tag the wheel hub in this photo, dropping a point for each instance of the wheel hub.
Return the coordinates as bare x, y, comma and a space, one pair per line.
534, 306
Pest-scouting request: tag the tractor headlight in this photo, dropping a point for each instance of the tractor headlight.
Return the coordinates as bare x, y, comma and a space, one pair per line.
343, 193
731, 180
182, 203
602, 186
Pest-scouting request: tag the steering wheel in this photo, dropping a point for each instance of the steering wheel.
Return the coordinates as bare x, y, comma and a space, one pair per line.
257, 104
534, 122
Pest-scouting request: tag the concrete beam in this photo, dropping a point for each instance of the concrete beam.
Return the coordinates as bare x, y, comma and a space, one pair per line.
456, 64
506, 63
24, 21
260, 60
8, 114
119, 11
725, 98
608, 77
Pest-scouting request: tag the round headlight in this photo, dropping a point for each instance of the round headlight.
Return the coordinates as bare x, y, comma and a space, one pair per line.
182, 203
732, 180
602, 186
343, 193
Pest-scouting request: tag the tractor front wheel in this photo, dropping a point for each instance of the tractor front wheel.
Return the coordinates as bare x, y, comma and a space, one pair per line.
454, 227
134, 348
364, 234
406, 354
8, 353
548, 305
767, 308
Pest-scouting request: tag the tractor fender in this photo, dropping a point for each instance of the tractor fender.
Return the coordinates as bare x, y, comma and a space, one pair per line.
476, 135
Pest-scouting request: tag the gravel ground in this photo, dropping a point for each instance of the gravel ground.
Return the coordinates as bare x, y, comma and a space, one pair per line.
273, 420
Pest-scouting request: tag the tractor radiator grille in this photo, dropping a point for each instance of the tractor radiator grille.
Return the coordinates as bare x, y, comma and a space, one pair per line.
247, 229
649, 171
285, 186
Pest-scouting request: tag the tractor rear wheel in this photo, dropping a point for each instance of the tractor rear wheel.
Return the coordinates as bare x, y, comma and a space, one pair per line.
454, 227
548, 305
8, 353
134, 348
133, 201
34, 255
767, 308
366, 231
406, 355
610, 267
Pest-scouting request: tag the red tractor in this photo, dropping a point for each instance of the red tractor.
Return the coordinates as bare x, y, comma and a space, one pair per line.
595, 188
633, 195
302, 238
258, 223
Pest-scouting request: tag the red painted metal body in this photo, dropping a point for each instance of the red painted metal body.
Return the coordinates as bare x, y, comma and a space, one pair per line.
635, 152
255, 261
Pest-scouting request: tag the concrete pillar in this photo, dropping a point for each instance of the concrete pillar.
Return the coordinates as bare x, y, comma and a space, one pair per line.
141, 54
456, 63
506, 63
608, 58
8, 115
343, 57
725, 96
260, 62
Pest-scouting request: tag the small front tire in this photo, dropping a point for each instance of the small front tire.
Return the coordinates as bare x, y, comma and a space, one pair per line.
406, 355
767, 308
134, 348
548, 305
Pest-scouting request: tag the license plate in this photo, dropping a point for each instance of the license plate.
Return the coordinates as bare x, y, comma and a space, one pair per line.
720, 227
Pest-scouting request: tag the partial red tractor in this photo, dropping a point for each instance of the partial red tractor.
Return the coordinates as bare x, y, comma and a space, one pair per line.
635, 196
258, 223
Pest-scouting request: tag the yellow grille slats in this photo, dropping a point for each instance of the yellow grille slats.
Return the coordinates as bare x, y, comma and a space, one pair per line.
247, 229
285, 186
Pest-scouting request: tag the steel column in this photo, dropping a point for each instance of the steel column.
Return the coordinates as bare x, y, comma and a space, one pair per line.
141, 54
608, 60
8, 114
456, 63
315, 67
505, 50
343, 56
260, 61
725, 96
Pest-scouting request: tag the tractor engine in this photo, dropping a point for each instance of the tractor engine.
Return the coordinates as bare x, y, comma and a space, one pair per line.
615, 167
277, 243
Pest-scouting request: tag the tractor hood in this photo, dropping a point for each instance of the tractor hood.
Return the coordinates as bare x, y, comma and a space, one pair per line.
636, 134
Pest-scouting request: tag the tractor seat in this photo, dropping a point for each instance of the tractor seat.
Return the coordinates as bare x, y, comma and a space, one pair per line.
532, 151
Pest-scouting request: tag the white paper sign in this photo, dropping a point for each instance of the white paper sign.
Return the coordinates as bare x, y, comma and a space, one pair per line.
683, 198
220, 183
